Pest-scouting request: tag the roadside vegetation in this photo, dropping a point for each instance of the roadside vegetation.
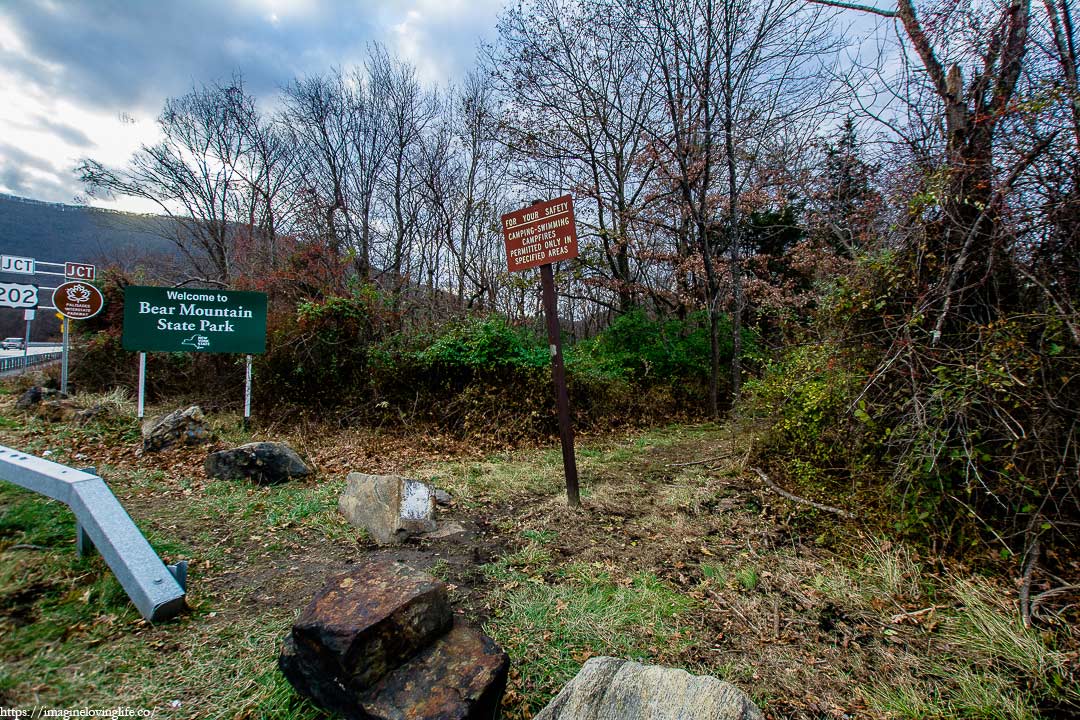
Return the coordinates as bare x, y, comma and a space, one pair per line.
823, 360
680, 556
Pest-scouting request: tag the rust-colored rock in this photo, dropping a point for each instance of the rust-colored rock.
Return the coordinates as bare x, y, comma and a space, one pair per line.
360, 626
461, 676
379, 643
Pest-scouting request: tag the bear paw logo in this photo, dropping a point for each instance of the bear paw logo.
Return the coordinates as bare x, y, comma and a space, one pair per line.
78, 293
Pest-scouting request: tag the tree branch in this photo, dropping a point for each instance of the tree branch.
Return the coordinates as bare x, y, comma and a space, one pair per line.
854, 6
801, 500
905, 10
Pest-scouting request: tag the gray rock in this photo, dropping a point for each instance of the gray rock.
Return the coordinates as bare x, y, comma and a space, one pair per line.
265, 463
183, 427
91, 413
614, 689
442, 497
389, 507
38, 394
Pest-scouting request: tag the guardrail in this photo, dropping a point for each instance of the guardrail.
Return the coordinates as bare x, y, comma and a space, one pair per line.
14, 362
101, 522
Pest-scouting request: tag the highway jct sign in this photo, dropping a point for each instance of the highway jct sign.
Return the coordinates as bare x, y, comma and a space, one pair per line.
15, 264
15, 295
80, 271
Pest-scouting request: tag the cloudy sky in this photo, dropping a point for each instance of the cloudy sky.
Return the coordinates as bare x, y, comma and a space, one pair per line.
87, 78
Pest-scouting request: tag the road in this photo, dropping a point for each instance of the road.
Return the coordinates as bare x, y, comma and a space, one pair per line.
34, 350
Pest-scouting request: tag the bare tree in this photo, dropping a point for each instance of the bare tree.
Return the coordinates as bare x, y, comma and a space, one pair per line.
265, 162
733, 74
320, 113
191, 175
963, 249
575, 82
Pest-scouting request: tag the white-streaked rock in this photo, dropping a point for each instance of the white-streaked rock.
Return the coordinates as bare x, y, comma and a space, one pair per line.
389, 507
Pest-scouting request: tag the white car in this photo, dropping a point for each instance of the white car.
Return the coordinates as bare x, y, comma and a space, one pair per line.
12, 343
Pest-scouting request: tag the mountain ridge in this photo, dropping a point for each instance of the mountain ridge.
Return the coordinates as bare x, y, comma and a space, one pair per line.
57, 233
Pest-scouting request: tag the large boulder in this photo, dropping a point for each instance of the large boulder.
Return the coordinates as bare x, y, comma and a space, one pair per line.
389, 507
461, 676
36, 395
265, 463
57, 410
358, 626
614, 689
381, 642
180, 427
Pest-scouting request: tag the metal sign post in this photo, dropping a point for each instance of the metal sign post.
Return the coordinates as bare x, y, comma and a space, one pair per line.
28, 315
64, 357
142, 385
539, 236
558, 376
247, 392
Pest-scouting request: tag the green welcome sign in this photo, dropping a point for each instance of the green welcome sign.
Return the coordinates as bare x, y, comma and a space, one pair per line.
158, 319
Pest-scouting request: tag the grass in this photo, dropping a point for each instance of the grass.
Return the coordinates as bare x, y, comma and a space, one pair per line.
954, 692
513, 476
747, 577
69, 635
68, 626
990, 631
669, 563
550, 629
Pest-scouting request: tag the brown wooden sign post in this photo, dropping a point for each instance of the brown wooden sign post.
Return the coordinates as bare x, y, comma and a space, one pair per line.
538, 236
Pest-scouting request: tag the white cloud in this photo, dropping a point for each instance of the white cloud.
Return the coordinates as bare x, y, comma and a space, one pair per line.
439, 37
71, 72
30, 123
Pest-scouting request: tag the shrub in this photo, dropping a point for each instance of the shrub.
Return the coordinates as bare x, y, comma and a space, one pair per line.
649, 351
479, 345
318, 356
805, 397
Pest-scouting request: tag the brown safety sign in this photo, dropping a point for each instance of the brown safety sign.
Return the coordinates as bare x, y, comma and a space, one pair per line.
540, 234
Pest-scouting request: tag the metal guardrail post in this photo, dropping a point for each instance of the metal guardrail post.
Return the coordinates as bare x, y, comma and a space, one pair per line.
101, 522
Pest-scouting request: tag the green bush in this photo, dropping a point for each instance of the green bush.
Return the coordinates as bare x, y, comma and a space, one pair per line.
319, 355
650, 351
806, 397
348, 356
477, 345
